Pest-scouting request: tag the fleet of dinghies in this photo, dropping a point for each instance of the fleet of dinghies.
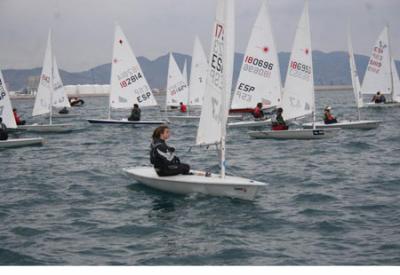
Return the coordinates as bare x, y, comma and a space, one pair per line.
298, 100
213, 119
210, 87
50, 95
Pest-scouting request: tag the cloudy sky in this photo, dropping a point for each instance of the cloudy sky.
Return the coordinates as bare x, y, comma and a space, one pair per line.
83, 29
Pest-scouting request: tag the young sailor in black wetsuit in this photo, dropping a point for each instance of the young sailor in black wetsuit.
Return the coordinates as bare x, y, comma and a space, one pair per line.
63, 111
135, 114
163, 157
379, 98
3, 130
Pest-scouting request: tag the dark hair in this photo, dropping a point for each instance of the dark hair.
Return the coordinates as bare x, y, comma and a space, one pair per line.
378, 93
259, 105
159, 131
14, 109
279, 110
180, 103
1, 119
135, 105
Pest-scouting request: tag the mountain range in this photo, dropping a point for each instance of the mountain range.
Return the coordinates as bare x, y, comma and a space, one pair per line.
329, 69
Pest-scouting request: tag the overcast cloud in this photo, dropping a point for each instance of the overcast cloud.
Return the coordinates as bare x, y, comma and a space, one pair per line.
83, 29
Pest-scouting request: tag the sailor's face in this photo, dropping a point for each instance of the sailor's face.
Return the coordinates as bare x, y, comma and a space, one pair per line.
165, 135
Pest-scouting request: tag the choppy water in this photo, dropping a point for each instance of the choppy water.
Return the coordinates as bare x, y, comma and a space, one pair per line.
328, 202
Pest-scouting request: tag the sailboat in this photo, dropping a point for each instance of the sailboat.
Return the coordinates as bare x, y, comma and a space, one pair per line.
7, 115
259, 79
298, 98
212, 126
381, 74
128, 84
177, 84
50, 94
177, 87
346, 124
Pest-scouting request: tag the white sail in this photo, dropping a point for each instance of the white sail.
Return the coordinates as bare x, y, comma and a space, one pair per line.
198, 74
43, 97
128, 84
377, 76
60, 99
6, 112
259, 79
396, 83
298, 95
185, 73
212, 126
177, 88
354, 75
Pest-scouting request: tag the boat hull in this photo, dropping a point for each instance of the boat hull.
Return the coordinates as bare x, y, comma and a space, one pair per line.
48, 128
381, 105
304, 134
20, 142
247, 124
126, 122
214, 185
191, 117
358, 124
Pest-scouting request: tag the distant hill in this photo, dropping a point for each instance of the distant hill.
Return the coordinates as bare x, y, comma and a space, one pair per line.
329, 69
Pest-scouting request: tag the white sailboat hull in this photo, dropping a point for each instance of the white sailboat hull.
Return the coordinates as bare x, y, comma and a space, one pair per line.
380, 105
64, 116
191, 117
247, 124
48, 128
126, 122
234, 187
20, 142
305, 134
346, 124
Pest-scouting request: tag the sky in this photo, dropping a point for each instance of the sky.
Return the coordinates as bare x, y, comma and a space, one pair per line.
83, 30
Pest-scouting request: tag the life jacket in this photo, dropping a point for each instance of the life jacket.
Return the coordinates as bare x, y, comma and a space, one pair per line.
258, 113
17, 119
329, 117
279, 127
183, 108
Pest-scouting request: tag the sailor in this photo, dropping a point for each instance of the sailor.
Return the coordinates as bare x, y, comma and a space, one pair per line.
379, 98
17, 118
63, 111
328, 117
258, 112
278, 123
163, 157
135, 114
183, 107
3, 130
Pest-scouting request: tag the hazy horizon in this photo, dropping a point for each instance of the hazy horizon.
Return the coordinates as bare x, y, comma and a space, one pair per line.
83, 31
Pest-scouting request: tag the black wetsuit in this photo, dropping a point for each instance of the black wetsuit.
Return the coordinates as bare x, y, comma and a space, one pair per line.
165, 162
3, 132
135, 115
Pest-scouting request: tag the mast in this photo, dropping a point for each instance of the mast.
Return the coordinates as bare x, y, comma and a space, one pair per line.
390, 64
51, 81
